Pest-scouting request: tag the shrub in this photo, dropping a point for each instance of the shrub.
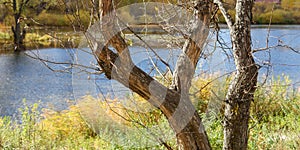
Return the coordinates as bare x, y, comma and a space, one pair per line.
9, 20
276, 99
65, 124
279, 16
5, 36
52, 19
65, 130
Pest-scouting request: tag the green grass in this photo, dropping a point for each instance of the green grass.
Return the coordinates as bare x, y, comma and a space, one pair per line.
60, 131
274, 122
90, 124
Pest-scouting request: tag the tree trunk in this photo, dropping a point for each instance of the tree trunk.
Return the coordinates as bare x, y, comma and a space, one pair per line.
190, 131
174, 103
18, 40
19, 33
242, 88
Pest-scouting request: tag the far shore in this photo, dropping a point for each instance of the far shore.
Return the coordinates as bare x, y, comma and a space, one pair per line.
66, 37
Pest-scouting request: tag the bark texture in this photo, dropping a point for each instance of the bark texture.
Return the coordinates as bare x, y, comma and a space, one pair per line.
173, 102
18, 31
242, 88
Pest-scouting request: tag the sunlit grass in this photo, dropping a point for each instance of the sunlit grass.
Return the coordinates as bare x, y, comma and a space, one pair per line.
113, 124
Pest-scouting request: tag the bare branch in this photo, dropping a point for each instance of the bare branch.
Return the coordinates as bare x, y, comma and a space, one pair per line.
71, 65
193, 47
269, 27
276, 46
140, 38
225, 14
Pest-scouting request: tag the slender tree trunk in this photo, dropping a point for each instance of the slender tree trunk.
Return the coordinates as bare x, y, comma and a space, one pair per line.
18, 41
19, 33
243, 86
174, 102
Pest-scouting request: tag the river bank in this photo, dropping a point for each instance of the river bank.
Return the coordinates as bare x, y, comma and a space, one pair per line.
41, 37
65, 37
112, 124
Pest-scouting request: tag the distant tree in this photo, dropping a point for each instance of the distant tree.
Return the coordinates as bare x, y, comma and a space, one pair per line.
17, 29
290, 4
3, 12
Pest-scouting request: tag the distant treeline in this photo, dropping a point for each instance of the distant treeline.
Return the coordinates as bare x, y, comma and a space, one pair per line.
59, 12
281, 12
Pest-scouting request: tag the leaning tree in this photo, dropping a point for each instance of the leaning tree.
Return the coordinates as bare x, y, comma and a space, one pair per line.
174, 101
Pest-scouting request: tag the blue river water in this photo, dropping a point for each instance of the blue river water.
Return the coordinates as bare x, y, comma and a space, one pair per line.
22, 77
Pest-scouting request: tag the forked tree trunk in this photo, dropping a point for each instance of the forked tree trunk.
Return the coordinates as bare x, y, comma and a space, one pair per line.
242, 88
174, 103
190, 136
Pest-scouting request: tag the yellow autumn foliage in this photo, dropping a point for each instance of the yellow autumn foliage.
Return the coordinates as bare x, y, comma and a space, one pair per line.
67, 123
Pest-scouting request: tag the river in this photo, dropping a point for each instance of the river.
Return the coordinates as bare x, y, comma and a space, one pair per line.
22, 77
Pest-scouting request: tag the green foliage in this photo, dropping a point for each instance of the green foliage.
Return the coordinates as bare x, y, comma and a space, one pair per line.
278, 133
276, 99
284, 13
53, 19
64, 130
8, 20
214, 130
69, 130
23, 135
5, 36
274, 122
290, 5
275, 116
201, 90
128, 123
34, 37
53, 12
279, 16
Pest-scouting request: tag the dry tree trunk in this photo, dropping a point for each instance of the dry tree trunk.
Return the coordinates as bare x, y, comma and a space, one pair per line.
174, 102
242, 88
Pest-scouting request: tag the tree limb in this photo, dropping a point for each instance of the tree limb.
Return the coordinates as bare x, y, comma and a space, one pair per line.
225, 13
188, 59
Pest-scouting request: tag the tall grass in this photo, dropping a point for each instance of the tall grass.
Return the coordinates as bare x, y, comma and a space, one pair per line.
65, 130
274, 122
94, 124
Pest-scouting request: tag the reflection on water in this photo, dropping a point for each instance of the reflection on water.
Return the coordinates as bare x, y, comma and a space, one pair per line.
24, 77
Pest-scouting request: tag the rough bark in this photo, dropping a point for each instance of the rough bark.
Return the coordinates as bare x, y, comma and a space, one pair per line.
19, 33
242, 88
193, 135
173, 102
184, 72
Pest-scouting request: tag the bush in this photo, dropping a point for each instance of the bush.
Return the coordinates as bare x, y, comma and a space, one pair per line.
52, 19
9, 20
65, 130
128, 123
279, 98
274, 122
5, 36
